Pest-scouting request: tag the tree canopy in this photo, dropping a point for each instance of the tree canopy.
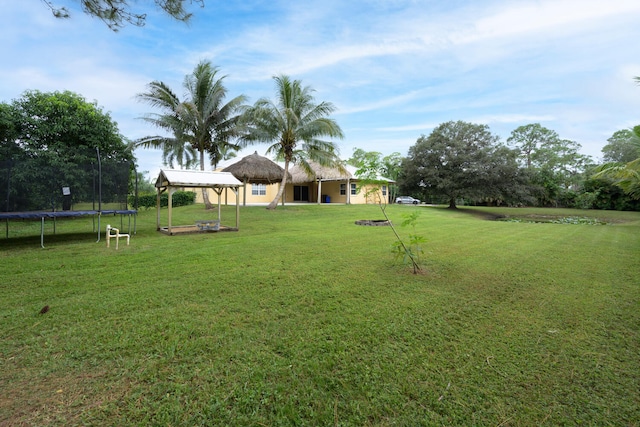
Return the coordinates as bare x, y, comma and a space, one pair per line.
457, 160
50, 140
621, 147
118, 13
371, 166
553, 164
625, 175
63, 125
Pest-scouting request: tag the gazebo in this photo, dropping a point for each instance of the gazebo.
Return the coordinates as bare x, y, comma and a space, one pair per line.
255, 169
173, 180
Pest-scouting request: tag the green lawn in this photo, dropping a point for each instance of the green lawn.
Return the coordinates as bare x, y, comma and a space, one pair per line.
303, 318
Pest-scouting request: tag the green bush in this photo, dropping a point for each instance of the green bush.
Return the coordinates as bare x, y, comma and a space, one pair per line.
179, 198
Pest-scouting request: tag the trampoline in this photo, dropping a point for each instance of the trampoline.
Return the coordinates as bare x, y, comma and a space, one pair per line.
43, 192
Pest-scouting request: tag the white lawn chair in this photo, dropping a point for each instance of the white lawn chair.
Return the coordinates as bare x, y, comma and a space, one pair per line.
114, 232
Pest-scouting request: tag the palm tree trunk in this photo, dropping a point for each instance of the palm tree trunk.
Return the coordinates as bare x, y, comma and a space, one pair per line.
205, 191
275, 201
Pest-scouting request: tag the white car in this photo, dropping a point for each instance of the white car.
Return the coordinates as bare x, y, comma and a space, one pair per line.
408, 200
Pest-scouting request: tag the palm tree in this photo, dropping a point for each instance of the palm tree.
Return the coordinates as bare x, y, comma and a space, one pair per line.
625, 175
201, 123
293, 125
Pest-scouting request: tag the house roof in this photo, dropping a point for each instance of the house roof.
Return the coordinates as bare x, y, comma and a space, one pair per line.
191, 178
299, 175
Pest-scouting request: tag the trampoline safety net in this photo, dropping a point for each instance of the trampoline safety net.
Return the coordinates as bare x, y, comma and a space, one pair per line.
38, 185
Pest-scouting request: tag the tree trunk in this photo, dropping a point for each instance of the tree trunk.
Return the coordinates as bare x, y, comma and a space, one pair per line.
205, 198
452, 203
205, 191
275, 201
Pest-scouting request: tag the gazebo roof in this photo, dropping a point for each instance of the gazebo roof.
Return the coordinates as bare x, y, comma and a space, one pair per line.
255, 169
191, 178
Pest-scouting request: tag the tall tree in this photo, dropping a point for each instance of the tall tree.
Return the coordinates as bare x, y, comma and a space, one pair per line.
529, 139
53, 142
294, 125
460, 159
620, 147
118, 13
200, 124
554, 164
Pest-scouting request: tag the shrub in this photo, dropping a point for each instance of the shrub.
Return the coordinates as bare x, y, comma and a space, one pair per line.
179, 198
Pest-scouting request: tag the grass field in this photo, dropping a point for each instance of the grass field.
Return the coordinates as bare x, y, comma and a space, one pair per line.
304, 318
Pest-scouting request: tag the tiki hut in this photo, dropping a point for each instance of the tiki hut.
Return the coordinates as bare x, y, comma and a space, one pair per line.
255, 169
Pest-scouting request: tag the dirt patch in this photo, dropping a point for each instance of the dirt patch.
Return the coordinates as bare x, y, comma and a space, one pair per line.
57, 400
373, 222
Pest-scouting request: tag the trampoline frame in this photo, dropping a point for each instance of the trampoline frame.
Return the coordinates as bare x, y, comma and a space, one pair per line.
42, 215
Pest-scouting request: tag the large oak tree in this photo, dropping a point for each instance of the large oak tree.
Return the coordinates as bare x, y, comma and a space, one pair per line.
460, 160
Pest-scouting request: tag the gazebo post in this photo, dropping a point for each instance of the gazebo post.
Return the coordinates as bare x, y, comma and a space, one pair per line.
219, 193
158, 209
171, 191
237, 190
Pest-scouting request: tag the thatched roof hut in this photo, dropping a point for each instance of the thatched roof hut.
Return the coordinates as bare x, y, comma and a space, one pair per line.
255, 169
299, 175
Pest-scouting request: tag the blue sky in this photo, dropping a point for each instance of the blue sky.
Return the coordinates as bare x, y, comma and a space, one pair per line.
394, 69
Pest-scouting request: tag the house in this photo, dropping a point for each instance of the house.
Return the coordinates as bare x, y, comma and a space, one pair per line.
330, 185
324, 185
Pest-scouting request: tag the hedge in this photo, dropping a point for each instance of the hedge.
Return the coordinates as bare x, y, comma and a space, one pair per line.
179, 198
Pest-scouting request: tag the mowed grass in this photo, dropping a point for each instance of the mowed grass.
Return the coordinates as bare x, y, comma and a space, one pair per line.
304, 318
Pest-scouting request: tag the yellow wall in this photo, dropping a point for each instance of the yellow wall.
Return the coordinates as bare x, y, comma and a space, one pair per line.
229, 197
328, 188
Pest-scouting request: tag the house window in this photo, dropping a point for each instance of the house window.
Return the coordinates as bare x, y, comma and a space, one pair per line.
258, 189
354, 190
384, 190
343, 189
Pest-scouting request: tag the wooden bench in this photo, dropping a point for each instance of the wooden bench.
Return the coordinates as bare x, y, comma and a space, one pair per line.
208, 225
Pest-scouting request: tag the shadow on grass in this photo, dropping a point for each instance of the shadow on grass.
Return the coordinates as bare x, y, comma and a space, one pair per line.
33, 241
481, 214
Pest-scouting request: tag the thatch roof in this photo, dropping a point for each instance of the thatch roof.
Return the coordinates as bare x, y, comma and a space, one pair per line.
255, 169
299, 175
